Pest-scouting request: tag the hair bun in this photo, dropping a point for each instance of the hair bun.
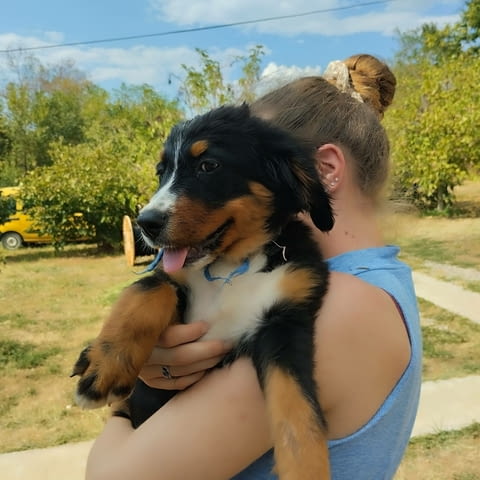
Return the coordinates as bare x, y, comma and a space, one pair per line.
373, 80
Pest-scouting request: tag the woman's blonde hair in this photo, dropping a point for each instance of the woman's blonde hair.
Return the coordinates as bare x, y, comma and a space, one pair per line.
317, 111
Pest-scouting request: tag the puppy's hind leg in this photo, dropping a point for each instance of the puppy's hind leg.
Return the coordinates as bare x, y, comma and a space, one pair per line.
110, 365
283, 353
299, 436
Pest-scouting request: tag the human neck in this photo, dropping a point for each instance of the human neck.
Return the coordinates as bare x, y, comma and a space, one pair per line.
356, 227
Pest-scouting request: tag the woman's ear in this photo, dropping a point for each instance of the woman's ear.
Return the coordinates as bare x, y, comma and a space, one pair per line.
330, 165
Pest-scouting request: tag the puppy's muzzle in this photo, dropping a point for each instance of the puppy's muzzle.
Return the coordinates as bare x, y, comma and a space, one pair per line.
152, 223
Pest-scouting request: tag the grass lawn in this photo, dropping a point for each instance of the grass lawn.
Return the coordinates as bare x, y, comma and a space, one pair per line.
435, 239
49, 308
451, 344
52, 305
444, 456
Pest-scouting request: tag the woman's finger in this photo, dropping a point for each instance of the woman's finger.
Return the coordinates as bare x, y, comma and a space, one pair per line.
182, 333
157, 371
188, 353
178, 383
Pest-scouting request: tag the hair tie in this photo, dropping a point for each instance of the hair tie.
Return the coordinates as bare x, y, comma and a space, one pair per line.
337, 73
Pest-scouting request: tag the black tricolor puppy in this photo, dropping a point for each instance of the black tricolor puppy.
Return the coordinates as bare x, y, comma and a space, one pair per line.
235, 256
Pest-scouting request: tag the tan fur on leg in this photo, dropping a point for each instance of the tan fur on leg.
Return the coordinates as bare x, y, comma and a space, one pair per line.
301, 451
110, 366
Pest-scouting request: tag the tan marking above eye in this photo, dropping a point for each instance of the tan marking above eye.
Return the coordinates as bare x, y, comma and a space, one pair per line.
198, 147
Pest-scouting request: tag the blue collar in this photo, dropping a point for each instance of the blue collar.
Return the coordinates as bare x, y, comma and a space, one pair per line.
154, 263
240, 270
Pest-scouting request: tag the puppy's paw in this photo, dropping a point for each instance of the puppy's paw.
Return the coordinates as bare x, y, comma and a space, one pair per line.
107, 375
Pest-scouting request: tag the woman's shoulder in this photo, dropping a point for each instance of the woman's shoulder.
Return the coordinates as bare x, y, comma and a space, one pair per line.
353, 306
349, 293
362, 349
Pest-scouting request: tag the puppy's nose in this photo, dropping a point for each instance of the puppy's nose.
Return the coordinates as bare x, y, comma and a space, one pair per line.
152, 222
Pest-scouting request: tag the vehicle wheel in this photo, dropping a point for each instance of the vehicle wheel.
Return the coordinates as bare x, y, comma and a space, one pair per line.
12, 240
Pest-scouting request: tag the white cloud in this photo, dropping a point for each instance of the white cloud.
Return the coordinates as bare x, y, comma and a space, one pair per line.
135, 65
139, 64
401, 15
54, 37
273, 75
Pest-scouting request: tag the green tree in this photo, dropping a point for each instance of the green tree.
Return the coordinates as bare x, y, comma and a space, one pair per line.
207, 87
250, 73
7, 207
21, 127
6, 172
145, 110
42, 104
433, 127
106, 176
98, 179
435, 44
470, 25
435, 115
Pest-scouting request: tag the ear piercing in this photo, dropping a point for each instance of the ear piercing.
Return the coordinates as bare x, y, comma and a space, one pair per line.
335, 180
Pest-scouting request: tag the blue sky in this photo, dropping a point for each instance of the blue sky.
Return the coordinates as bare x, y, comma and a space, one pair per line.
302, 44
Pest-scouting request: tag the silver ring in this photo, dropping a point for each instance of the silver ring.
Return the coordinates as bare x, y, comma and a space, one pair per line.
166, 373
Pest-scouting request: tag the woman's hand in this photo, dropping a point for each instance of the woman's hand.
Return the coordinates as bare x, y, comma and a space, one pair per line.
178, 360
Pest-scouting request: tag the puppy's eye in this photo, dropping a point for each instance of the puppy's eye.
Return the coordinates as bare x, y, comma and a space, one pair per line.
208, 166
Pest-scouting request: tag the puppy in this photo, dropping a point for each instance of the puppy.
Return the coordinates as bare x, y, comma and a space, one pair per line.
234, 254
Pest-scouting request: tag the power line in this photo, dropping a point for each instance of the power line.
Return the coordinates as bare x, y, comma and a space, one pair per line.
197, 29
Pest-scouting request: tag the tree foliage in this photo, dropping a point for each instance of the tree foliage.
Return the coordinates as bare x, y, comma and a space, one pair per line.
7, 207
434, 120
104, 177
44, 104
433, 128
435, 44
207, 87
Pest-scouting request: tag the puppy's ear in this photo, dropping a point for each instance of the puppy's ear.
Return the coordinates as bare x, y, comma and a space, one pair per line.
321, 211
291, 171
316, 200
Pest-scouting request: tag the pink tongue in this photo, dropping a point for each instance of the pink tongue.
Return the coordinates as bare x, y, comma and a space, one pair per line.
173, 260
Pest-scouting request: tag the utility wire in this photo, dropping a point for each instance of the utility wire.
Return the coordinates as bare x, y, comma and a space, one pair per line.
197, 29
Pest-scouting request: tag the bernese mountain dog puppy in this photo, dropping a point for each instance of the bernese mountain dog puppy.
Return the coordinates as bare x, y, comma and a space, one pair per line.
234, 255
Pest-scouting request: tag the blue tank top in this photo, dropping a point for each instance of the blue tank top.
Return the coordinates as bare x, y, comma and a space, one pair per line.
376, 449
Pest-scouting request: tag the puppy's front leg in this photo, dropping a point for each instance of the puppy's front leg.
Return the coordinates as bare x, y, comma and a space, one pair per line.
110, 365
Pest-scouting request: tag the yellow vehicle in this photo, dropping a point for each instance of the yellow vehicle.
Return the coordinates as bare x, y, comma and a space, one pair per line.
19, 228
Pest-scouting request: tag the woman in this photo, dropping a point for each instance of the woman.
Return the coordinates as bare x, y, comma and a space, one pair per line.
368, 346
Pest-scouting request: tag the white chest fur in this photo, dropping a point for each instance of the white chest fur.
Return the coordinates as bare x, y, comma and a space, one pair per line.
235, 308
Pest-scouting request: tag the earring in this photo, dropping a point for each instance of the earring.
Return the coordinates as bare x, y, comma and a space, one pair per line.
334, 182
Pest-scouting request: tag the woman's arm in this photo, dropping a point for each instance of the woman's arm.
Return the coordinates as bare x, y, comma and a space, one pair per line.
210, 431
218, 426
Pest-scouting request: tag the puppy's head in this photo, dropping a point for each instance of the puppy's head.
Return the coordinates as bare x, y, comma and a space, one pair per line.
228, 182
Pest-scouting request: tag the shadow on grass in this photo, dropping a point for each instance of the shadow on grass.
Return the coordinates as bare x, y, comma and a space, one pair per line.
39, 252
467, 209
32, 253
428, 249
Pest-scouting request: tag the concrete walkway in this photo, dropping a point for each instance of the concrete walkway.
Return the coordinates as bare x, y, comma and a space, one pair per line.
66, 462
448, 296
444, 405
448, 405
